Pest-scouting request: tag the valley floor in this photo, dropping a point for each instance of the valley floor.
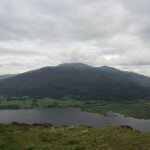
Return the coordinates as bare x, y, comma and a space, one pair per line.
45, 137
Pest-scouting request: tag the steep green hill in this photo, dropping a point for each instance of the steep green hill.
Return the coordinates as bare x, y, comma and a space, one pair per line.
78, 81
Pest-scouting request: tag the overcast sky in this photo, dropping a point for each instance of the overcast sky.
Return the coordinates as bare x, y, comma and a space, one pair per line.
37, 33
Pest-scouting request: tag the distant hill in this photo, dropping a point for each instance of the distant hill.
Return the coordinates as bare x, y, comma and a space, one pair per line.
78, 81
6, 76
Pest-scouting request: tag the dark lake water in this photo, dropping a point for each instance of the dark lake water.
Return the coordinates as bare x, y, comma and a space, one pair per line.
70, 116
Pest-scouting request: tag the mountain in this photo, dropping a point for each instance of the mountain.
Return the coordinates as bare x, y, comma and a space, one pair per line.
78, 81
74, 65
6, 76
144, 80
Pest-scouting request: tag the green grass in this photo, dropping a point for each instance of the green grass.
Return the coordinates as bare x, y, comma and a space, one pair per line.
40, 103
137, 109
59, 103
26, 137
27, 103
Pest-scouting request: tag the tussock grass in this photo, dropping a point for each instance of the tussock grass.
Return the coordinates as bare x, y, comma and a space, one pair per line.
27, 137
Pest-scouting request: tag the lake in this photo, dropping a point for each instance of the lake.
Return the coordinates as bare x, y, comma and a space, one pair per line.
70, 116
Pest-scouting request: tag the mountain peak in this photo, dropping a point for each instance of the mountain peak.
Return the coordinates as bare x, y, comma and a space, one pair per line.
74, 65
109, 69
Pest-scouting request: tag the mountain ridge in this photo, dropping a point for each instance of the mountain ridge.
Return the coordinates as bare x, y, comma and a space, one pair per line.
5, 76
78, 80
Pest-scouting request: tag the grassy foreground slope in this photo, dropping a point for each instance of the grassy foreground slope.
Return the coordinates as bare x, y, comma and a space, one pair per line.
27, 137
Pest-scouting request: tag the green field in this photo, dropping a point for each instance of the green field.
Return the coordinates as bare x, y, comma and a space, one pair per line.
27, 137
16, 103
39, 103
137, 108
59, 103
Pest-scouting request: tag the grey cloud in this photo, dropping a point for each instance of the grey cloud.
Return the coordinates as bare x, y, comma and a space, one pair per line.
96, 32
61, 19
6, 51
12, 64
139, 16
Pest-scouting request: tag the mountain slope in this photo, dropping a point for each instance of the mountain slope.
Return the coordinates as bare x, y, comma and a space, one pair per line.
144, 80
6, 76
79, 81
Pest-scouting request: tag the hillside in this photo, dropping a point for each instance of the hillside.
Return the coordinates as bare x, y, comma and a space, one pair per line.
78, 81
42, 137
6, 76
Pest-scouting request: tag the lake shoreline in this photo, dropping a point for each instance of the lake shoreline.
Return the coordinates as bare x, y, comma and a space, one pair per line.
70, 116
113, 114
136, 108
